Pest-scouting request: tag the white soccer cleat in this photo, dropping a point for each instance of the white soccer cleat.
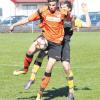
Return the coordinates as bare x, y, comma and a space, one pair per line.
19, 72
70, 96
28, 84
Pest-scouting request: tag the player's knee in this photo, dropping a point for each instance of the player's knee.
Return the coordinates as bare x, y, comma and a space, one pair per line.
42, 54
66, 66
39, 63
66, 63
50, 64
32, 49
52, 61
29, 54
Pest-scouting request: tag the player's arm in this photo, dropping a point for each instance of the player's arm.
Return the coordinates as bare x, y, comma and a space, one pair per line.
33, 17
73, 23
21, 22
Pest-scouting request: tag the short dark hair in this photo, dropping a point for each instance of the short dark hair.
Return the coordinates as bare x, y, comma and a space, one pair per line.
69, 4
53, 1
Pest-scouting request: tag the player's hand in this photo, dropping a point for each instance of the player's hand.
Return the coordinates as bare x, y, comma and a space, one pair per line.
84, 7
73, 29
11, 28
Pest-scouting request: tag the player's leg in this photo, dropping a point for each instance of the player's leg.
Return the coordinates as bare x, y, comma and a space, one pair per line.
27, 59
70, 81
46, 78
42, 44
54, 53
37, 65
39, 43
67, 67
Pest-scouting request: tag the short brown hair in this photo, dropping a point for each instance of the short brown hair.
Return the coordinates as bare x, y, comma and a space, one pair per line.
69, 4
53, 1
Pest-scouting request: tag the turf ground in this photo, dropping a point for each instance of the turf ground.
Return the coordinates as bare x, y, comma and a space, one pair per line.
85, 61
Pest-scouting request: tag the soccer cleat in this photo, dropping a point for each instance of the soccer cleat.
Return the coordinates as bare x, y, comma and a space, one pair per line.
19, 72
39, 97
28, 84
70, 96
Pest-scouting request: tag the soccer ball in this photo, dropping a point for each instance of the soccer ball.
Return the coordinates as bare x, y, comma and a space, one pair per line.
42, 43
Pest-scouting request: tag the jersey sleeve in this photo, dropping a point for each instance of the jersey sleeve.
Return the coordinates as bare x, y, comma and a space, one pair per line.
35, 16
63, 12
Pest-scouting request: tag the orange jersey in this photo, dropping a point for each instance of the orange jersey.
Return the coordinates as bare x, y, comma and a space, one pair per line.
53, 29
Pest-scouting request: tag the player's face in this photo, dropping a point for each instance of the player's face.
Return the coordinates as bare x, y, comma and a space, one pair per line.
64, 6
52, 6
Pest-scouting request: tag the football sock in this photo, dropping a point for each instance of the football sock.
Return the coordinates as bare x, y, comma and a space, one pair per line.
34, 71
37, 64
70, 82
45, 81
35, 68
32, 77
27, 60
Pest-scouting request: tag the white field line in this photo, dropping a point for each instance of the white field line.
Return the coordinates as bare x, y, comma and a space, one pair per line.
16, 65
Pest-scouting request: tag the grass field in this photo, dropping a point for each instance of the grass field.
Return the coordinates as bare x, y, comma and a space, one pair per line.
85, 60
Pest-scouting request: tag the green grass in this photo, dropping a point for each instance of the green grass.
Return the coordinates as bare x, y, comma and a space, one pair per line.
85, 61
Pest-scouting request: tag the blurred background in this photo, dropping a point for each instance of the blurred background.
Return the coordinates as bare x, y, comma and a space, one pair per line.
12, 11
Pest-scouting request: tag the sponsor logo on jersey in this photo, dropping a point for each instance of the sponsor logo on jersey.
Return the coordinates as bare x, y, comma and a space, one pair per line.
53, 19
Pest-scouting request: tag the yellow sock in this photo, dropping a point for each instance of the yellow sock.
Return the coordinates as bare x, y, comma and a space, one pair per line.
32, 76
34, 71
70, 82
35, 68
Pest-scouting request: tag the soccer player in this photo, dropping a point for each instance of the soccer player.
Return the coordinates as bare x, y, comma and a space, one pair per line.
55, 44
53, 31
66, 47
43, 53
53, 57
49, 35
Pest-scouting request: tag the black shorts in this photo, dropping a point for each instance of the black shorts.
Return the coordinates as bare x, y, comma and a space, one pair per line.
54, 50
65, 55
68, 31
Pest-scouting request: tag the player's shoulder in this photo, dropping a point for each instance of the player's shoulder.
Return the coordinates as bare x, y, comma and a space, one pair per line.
63, 11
